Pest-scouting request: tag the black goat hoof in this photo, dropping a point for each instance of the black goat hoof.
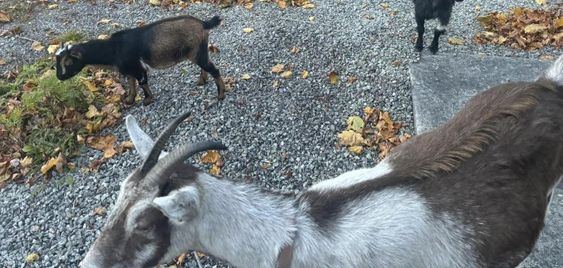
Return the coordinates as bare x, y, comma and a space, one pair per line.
418, 47
201, 82
221, 97
433, 49
129, 101
147, 101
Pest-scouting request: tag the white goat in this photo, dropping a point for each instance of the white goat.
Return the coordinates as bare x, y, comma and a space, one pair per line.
472, 193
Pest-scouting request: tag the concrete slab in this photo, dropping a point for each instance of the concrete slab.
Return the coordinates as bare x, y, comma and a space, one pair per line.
442, 84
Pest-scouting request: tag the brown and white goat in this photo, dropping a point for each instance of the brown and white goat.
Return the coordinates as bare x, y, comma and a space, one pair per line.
160, 45
472, 193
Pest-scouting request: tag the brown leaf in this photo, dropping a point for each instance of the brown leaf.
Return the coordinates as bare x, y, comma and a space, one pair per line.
213, 49
100, 211
295, 50
210, 157
286, 74
95, 164
333, 77
215, 170
4, 17
278, 68
103, 143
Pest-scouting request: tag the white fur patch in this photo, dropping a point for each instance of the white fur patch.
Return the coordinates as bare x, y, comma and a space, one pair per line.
354, 177
145, 65
555, 72
442, 27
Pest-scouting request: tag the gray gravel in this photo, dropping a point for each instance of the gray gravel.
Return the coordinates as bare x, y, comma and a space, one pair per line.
291, 129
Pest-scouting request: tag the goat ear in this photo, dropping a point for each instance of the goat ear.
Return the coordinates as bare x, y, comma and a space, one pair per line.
143, 142
75, 52
180, 205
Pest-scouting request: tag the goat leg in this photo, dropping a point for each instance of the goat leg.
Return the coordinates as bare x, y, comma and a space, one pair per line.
211, 69
148, 94
202, 78
434, 46
420, 30
131, 92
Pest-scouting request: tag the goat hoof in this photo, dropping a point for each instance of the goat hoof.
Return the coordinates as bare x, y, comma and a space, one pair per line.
433, 49
418, 48
201, 82
129, 101
221, 97
147, 101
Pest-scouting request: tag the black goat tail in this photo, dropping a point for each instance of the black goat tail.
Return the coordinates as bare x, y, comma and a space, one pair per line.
212, 23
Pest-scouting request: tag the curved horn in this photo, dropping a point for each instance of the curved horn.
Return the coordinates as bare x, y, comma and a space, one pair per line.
165, 167
160, 142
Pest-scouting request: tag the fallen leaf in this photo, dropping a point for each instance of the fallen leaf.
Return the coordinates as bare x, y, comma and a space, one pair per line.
212, 48
36, 45
385, 5
355, 123
95, 164
245, 76
155, 2
356, 149
2, 61
53, 48
278, 68
51, 163
31, 258
350, 138
211, 157
294, 50
305, 74
103, 36
26, 161
534, 28
181, 260
248, 30
52, 6
127, 145
456, 40
89, 85
215, 170
104, 21
540, 2
100, 211
4, 17
333, 77
558, 23
308, 6
249, 5
103, 143
92, 112
286, 74
312, 18
276, 84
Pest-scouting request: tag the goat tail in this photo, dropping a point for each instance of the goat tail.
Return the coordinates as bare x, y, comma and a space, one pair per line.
555, 72
212, 23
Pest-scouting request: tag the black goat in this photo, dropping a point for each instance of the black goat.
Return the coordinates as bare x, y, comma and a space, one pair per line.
432, 9
160, 45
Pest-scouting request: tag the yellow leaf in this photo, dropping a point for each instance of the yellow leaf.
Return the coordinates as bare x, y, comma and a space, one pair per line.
282, 4
305, 74
109, 152
53, 48
312, 18
558, 36
501, 39
333, 77
368, 111
385, 116
356, 149
154, 2
103, 36
4, 17
31, 258
248, 6
51, 163
477, 7
558, 23
108, 82
350, 138
355, 123
215, 170
210, 157
103, 143
248, 30
104, 21
294, 50
89, 85
100, 211
2, 61
52, 6
276, 84
455, 40
286, 74
535, 28
92, 112
540, 2
36, 45
385, 5
127, 145
245, 76
26, 161
309, 6
278, 68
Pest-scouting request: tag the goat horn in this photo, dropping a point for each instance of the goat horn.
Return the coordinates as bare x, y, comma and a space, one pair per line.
160, 142
165, 167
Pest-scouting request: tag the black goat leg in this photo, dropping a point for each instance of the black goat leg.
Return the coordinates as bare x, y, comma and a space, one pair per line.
131, 93
420, 30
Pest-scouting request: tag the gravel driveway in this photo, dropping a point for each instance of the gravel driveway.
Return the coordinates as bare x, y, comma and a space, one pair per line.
280, 138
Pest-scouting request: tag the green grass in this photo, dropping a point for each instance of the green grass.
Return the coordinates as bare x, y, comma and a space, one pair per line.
45, 104
71, 36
